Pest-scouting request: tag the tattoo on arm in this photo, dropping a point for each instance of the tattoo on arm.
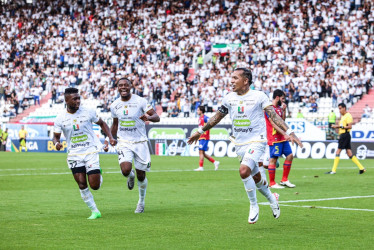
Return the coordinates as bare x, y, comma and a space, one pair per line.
213, 121
276, 118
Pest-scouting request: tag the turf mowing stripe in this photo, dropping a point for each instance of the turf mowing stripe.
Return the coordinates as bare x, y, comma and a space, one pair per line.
336, 208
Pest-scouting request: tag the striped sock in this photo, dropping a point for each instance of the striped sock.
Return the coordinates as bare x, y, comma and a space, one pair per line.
271, 169
286, 170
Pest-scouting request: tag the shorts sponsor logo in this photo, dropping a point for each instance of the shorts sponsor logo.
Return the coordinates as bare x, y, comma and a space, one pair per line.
167, 133
127, 123
242, 123
77, 139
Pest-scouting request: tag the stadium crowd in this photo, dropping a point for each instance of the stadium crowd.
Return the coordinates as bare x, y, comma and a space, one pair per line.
310, 49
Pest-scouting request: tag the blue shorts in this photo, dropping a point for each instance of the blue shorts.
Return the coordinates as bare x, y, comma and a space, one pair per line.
279, 149
203, 145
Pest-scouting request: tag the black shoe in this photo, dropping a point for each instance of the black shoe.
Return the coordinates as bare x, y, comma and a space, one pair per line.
330, 172
362, 171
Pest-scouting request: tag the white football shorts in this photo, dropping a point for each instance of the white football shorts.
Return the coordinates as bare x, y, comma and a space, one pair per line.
251, 151
91, 162
139, 152
265, 157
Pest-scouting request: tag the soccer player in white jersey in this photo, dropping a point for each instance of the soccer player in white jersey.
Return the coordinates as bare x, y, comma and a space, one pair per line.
246, 108
129, 113
82, 145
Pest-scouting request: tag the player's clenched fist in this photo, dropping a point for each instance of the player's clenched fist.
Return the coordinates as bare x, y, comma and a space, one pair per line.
58, 146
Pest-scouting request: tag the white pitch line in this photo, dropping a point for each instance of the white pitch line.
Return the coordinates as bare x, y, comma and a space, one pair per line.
323, 199
336, 208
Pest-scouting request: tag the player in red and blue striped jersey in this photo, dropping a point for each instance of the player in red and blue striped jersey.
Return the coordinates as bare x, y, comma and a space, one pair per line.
203, 141
278, 145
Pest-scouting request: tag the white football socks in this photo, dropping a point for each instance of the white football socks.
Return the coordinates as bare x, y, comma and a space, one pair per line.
142, 190
250, 188
131, 174
265, 191
88, 199
263, 173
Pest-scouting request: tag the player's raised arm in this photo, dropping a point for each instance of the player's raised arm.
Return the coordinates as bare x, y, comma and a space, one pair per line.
106, 130
213, 121
56, 141
278, 121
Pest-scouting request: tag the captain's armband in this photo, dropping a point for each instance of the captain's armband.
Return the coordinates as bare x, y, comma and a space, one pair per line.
223, 110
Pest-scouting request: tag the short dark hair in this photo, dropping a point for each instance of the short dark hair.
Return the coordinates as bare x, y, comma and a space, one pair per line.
202, 109
246, 74
277, 93
124, 79
69, 91
342, 104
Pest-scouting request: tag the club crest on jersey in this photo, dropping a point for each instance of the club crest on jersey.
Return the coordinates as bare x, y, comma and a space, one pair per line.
241, 109
251, 151
126, 112
76, 127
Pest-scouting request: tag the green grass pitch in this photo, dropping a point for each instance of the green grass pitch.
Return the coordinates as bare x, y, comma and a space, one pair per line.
41, 207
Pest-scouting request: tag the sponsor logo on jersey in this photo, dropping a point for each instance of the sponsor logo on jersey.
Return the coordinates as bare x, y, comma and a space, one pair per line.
240, 109
80, 138
127, 123
76, 127
242, 123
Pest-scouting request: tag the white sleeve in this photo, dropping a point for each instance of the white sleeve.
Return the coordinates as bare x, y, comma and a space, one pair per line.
57, 126
113, 111
146, 106
93, 116
264, 100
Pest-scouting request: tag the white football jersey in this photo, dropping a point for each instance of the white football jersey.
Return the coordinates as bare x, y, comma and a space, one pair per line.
78, 131
247, 115
130, 127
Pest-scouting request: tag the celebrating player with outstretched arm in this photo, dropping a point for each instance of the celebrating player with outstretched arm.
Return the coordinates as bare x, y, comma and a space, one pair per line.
246, 107
129, 113
83, 145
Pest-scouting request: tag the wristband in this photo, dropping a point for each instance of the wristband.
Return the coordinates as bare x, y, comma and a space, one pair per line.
56, 143
200, 131
289, 131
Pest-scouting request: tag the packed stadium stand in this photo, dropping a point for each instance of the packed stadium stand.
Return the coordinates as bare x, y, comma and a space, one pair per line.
180, 54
